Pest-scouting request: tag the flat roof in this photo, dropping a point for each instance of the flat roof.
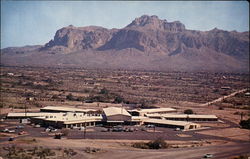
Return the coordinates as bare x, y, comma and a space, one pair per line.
115, 111
194, 116
69, 118
66, 109
154, 110
169, 122
34, 114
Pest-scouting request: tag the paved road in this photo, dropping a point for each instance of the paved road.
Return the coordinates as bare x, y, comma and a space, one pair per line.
219, 152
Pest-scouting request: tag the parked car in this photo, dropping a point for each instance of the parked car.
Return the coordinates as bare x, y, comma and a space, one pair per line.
22, 133
8, 131
47, 129
37, 126
99, 125
11, 131
19, 127
117, 129
53, 130
5, 130
82, 128
131, 129
11, 139
150, 126
104, 130
208, 155
177, 129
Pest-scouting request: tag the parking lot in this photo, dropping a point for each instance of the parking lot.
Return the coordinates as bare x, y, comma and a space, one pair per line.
118, 132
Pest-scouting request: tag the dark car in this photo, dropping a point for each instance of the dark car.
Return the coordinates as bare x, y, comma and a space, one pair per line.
11, 139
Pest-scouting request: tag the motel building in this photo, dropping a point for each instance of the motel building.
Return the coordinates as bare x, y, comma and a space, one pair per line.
63, 117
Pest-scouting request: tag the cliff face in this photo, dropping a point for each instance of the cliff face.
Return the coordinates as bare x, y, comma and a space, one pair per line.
156, 43
78, 38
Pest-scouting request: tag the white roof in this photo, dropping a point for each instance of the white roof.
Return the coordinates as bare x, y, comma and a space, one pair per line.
28, 114
183, 116
169, 122
115, 111
139, 118
66, 109
154, 110
70, 119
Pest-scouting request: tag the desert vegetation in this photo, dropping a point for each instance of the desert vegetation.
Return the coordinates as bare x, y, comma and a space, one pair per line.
155, 144
37, 87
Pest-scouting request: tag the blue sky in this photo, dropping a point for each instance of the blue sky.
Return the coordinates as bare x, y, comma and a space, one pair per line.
35, 22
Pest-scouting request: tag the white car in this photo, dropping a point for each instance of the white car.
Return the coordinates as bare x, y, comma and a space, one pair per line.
177, 129
5, 130
37, 126
208, 155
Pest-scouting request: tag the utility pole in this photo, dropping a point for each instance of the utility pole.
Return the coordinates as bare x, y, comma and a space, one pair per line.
241, 116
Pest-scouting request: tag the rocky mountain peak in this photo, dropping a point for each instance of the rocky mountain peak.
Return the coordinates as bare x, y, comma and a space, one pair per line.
154, 23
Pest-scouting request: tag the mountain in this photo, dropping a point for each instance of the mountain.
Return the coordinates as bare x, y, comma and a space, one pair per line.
147, 43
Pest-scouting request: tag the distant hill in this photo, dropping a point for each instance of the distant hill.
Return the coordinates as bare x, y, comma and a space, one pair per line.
147, 43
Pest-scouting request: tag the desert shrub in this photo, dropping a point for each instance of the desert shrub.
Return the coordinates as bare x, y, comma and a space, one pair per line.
245, 124
104, 91
69, 152
80, 98
221, 108
70, 97
118, 99
188, 111
92, 150
156, 144
140, 145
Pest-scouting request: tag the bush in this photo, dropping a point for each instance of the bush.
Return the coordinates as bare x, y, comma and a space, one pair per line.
245, 124
118, 99
140, 145
104, 91
70, 97
156, 144
188, 111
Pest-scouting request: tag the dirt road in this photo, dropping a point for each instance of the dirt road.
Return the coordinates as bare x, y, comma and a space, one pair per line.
223, 97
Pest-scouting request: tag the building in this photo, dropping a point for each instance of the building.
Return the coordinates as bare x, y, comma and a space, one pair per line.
68, 120
184, 117
62, 117
67, 109
142, 112
173, 124
117, 115
26, 115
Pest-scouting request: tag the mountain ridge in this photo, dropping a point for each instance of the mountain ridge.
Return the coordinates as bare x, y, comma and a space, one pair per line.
156, 44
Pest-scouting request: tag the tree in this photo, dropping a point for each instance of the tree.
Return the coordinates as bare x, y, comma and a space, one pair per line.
245, 124
118, 99
188, 111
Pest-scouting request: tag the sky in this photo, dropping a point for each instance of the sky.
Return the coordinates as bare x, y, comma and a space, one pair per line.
35, 22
